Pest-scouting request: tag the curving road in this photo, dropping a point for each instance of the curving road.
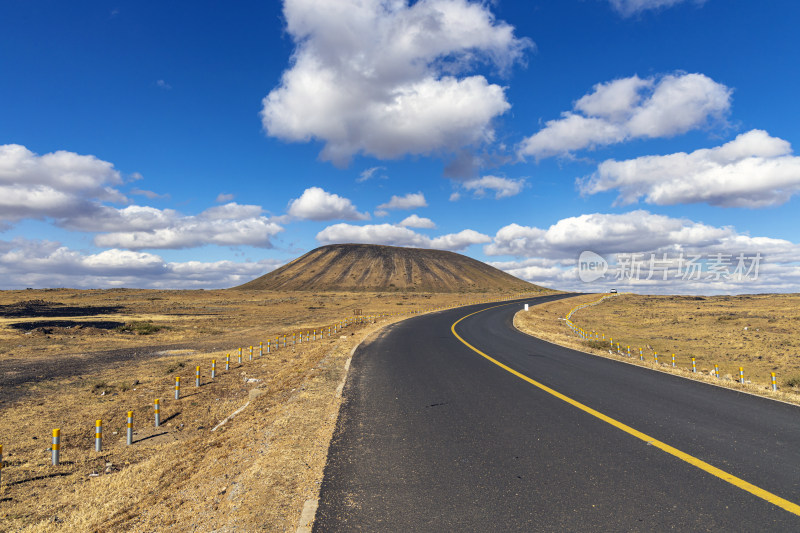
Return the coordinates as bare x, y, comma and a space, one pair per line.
434, 436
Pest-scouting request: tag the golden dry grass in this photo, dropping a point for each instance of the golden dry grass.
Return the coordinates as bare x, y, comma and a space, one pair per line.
757, 333
253, 473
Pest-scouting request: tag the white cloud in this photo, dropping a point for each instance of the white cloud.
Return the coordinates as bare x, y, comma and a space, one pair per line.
409, 201
415, 221
753, 170
626, 8
55, 185
380, 77
40, 264
549, 256
460, 240
456, 196
370, 173
396, 235
605, 233
161, 84
632, 108
502, 187
224, 197
317, 204
137, 228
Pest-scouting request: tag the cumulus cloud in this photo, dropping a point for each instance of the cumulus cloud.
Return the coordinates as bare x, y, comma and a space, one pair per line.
409, 201
549, 256
317, 204
626, 8
632, 108
415, 221
54, 185
753, 170
396, 235
604, 233
137, 228
42, 264
382, 77
502, 187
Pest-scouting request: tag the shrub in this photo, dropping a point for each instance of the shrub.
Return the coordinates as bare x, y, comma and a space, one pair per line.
140, 328
793, 381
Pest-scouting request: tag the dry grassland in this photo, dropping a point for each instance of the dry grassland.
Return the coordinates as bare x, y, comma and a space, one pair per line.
71, 357
758, 333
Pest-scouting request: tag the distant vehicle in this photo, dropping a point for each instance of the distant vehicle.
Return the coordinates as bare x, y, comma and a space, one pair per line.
613, 291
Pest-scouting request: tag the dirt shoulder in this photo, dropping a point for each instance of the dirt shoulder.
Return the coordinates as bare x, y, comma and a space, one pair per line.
754, 332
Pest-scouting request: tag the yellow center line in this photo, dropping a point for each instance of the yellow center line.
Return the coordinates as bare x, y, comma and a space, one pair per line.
694, 461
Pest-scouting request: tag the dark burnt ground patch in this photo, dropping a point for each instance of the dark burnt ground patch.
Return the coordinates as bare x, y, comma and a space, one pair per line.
43, 308
42, 325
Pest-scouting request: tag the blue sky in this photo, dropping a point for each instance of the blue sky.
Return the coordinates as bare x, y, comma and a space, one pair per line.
145, 144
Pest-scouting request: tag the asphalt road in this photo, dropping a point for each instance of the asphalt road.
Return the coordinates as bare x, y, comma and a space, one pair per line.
432, 436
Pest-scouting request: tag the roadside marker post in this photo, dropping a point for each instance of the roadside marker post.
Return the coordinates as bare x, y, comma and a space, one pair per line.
694, 366
655, 357
1, 464
177, 387
213, 368
673, 360
157, 411
56, 448
716, 371
240, 356
641, 355
227, 361
261, 348
197, 377
130, 428
771, 375
98, 436
251, 353
741, 375
629, 351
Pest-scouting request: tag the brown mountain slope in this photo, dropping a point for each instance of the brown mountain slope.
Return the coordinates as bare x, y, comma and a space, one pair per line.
368, 267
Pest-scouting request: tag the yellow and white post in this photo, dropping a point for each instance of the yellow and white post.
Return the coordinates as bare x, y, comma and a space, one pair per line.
251, 353
213, 368
227, 361
157, 411
673, 360
261, 348
130, 428
197, 377
694, 366
716, 371
56, 449
741, 375
240, 356
655, 357
177, 387
98, 436
771, 375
